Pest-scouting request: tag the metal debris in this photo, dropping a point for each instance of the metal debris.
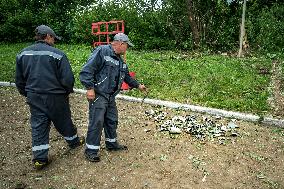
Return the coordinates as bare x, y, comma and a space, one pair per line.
158, 115
175, 130
200, 127
145, 96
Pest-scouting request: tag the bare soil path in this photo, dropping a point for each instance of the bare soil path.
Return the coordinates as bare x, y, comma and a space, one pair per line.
254, 159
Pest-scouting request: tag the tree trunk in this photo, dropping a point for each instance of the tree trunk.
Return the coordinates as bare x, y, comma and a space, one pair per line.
242, 30
193, 23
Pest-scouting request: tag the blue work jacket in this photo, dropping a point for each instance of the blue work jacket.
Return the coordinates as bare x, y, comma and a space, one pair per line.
105, 72
41, 68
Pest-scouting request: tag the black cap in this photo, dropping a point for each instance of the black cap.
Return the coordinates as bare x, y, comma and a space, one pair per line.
43, 29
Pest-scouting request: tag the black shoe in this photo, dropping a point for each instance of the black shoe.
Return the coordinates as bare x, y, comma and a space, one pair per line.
79, 143
92, 157
117, 148
39, 165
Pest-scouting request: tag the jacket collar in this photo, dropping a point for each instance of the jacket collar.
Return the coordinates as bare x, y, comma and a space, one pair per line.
42, 41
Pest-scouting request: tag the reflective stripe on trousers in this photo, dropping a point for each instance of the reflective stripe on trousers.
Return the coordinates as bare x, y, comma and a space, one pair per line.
40, 147
47, 108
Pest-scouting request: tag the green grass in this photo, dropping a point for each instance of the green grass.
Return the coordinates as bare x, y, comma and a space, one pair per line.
8, 54
208, 80
211, 80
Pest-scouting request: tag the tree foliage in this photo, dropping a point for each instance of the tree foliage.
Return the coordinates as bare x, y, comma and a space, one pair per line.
151, 24
18, 18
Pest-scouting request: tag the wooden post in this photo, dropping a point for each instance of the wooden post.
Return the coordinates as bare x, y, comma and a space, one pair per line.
242, 30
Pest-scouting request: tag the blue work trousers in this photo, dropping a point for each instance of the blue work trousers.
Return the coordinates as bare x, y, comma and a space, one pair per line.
102, 115
44, 109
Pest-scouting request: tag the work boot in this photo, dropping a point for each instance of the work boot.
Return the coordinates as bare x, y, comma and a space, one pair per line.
39, 165
117, 148
79, 143
92, 157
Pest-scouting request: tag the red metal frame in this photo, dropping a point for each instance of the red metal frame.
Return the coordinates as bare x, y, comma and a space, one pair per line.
109, 28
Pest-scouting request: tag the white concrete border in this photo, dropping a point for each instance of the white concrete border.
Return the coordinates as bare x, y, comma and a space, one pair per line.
7, 84
200, 109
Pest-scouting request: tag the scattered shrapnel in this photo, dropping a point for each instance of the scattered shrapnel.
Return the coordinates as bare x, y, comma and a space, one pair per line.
201, 128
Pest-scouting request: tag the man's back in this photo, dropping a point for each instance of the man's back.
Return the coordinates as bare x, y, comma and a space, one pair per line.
42, 68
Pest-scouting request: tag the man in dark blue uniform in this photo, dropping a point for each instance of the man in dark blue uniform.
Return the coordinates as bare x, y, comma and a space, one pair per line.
102, 76
44, 76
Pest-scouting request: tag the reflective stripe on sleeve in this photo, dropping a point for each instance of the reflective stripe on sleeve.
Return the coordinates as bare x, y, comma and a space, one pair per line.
92, 147
71, 138
48, 53
101, 81
40, 147
111, 139
112, 60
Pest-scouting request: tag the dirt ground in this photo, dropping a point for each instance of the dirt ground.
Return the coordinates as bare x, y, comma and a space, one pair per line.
254, 159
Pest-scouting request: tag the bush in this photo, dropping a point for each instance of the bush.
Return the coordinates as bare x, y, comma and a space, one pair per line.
266, 30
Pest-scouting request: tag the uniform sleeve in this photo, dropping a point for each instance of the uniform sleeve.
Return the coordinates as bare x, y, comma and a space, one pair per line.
20, 80
130, 81
93, 65
66, 75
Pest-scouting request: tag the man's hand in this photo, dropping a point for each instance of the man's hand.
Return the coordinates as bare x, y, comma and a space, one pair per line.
142, 88
91, 95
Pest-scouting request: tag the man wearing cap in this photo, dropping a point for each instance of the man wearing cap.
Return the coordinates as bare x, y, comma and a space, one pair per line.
102, 76
44, 76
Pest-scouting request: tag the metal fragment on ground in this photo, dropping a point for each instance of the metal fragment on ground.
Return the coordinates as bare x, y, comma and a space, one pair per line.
201, 127
174, 130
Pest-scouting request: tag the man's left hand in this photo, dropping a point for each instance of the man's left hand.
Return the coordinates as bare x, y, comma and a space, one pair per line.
142, 88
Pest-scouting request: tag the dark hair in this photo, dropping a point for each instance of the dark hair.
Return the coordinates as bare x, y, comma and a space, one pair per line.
39, 36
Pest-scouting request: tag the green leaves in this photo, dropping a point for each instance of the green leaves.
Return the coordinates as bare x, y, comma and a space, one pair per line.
266, 28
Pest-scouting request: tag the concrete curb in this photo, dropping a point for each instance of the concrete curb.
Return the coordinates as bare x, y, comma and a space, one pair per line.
7, 84
212, 111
